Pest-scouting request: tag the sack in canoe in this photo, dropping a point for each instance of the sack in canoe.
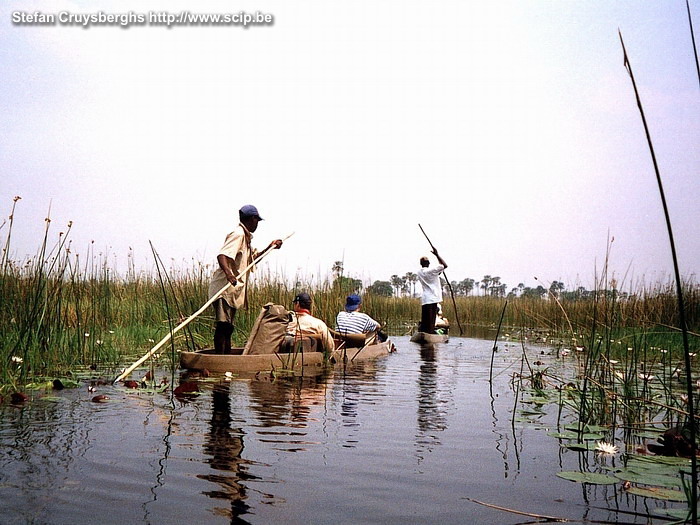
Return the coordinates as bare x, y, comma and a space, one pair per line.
269, 329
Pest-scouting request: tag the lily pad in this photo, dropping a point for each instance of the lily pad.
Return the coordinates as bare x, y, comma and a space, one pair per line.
637, 462
532, 412
537, 400
647, 478
586, 428
575, 435
43, 385
658, 493
70, 383
586, 445
592, 478
52, 399
680, 514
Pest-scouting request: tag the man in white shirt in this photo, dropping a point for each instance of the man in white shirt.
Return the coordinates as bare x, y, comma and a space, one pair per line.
432, 291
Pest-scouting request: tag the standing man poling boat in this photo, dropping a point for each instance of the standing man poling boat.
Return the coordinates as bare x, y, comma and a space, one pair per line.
432, 291
235, 255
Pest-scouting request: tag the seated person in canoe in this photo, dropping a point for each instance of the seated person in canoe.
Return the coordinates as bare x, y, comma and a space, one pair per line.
352, 321
442, 325
303, 323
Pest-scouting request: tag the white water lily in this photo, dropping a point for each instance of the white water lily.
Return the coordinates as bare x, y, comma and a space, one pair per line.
564, 352
17, 359
646, 377
87, 334
606, 448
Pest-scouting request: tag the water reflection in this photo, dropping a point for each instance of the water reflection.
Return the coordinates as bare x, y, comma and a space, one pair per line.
432, 417
224, 445
501, 437
40, 443
286, 406
356, 385
376, 434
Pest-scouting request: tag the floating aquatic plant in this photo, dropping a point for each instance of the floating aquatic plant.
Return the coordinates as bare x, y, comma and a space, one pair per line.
593, 478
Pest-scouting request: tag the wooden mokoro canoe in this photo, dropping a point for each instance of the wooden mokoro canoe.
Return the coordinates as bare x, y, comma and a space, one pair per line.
238, 363
422, 337
363, 353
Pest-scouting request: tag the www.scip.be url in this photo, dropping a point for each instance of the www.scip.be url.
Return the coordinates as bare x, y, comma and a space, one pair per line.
152, 18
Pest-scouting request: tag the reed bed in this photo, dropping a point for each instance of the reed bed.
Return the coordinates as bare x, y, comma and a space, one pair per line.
61, 311
59, 314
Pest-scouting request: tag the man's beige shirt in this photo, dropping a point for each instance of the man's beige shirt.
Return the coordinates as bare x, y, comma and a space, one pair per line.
305, 324
237, 247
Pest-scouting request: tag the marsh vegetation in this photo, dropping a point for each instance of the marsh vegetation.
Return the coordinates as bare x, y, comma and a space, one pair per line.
62, 311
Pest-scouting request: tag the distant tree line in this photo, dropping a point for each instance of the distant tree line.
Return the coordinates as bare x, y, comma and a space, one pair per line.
407, 286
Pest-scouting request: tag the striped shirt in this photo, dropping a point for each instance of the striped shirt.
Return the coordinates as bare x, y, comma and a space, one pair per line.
355, 323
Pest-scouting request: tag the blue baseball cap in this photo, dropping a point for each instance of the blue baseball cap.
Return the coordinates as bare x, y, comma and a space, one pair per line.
352, 303
250, 211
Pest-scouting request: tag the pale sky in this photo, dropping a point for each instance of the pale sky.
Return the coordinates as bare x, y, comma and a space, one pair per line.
508, 129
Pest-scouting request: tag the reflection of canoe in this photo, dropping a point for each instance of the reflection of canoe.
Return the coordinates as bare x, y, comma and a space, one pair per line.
307, 360
422, 337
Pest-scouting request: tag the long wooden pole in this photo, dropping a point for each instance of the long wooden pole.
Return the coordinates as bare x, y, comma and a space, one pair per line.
187, 321
449, 286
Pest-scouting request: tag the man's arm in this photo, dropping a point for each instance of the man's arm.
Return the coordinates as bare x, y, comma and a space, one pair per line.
276, 244
440, 259
328, 343
226, 265
232, 246
372, 325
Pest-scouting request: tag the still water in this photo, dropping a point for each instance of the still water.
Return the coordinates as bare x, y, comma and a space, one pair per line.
410, 438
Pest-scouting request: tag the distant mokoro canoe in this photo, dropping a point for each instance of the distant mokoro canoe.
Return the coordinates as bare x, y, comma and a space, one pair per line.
422, 337
237, 363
